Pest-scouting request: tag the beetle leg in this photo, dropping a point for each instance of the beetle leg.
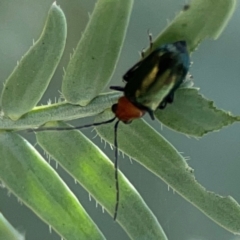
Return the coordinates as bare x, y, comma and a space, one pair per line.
117, 88
170, 98
163, 104
150, 112
150, 44
150, 40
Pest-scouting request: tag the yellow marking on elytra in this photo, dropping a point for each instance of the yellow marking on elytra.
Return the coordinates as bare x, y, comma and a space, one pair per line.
148, 80
165, 79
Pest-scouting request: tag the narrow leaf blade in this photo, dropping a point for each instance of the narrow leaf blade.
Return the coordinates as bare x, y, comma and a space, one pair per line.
97, 53
145, 145
60, 111
31, 179
194, 115
7, 231
203, 19
29, 80
95, 172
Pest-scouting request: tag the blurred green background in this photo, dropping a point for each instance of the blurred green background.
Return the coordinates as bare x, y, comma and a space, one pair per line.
215, 158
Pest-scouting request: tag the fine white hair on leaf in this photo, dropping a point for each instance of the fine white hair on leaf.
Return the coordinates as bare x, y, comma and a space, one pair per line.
19, 201
130, 159
95, 136
9, 193
89, 197
48, 157
187, 158
49, 102
50, 228
61, 95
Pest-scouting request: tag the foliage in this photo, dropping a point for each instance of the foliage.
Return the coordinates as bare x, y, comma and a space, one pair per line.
30, 178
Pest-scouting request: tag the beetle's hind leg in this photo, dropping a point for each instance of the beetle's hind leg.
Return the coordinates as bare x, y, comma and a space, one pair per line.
150, 40
150, 44
168, 99
163, 104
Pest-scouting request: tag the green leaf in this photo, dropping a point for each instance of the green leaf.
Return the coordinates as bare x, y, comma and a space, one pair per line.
97, 53
30, 177
203, 19
194, 115
60, 111
150, 149
7, 231
95, 172
29, 80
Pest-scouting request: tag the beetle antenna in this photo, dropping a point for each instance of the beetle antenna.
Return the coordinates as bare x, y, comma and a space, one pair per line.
116, 170
70, 128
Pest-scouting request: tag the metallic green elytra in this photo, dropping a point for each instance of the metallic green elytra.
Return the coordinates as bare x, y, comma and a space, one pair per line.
151, 83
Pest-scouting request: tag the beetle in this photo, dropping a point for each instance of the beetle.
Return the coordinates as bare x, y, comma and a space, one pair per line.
150, 85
